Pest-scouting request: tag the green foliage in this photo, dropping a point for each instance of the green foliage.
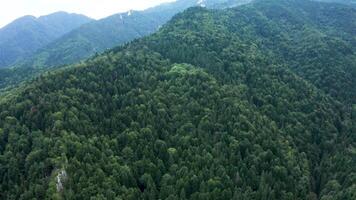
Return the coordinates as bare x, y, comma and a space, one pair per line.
158, 134
23, 37
202, 109
316, 41
95, 37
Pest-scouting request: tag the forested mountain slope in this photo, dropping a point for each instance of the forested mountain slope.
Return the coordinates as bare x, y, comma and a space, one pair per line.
96, 37
315, 40
99, 36
196, 111
112, 31
24, 36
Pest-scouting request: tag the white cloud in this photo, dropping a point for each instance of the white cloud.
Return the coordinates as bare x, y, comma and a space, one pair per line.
12, 9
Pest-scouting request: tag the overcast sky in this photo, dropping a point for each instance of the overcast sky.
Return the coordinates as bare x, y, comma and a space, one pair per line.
12, 9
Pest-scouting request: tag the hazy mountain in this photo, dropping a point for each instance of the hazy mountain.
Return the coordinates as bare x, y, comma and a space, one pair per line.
117, 29
218, 104
98, 36
26, 35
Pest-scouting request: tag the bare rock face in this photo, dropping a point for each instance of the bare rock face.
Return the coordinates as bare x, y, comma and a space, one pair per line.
61, 177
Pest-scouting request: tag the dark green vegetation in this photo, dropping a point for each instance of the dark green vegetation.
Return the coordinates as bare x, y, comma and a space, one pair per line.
215, 105
23, 37
101, 35
98, 36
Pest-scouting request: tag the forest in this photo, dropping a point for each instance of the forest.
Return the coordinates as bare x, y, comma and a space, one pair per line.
252, 102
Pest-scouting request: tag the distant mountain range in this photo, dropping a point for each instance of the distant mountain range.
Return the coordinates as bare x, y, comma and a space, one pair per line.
93, 37
256, 102
23, 37
58, 38
97, 36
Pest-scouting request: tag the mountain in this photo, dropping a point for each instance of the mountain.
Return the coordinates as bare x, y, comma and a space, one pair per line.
205, 108
98, 36
117, 29
26, 35
318, 45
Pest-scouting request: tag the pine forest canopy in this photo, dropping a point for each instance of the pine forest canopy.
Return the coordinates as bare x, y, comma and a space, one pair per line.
250, 102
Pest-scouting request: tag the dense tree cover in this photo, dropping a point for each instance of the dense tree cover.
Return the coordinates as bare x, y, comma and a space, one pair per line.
13, 77
196, 111
103, 34
325, 59
120, 28
139, 126
98, 36
258, 25
23, 37
315, 40
226, 48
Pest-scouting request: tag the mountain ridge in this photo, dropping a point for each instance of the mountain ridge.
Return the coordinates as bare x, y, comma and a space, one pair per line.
83, 43
198, 110
147, 22
95, 37
24, 36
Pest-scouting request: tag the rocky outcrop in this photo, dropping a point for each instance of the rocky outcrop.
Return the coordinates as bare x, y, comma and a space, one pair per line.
61, 177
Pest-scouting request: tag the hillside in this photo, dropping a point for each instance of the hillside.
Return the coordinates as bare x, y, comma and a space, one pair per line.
23, 37
112, 31
99, 36
315, 40
199, 110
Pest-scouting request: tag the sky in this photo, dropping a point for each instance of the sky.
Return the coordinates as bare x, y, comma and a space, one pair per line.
97, 9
